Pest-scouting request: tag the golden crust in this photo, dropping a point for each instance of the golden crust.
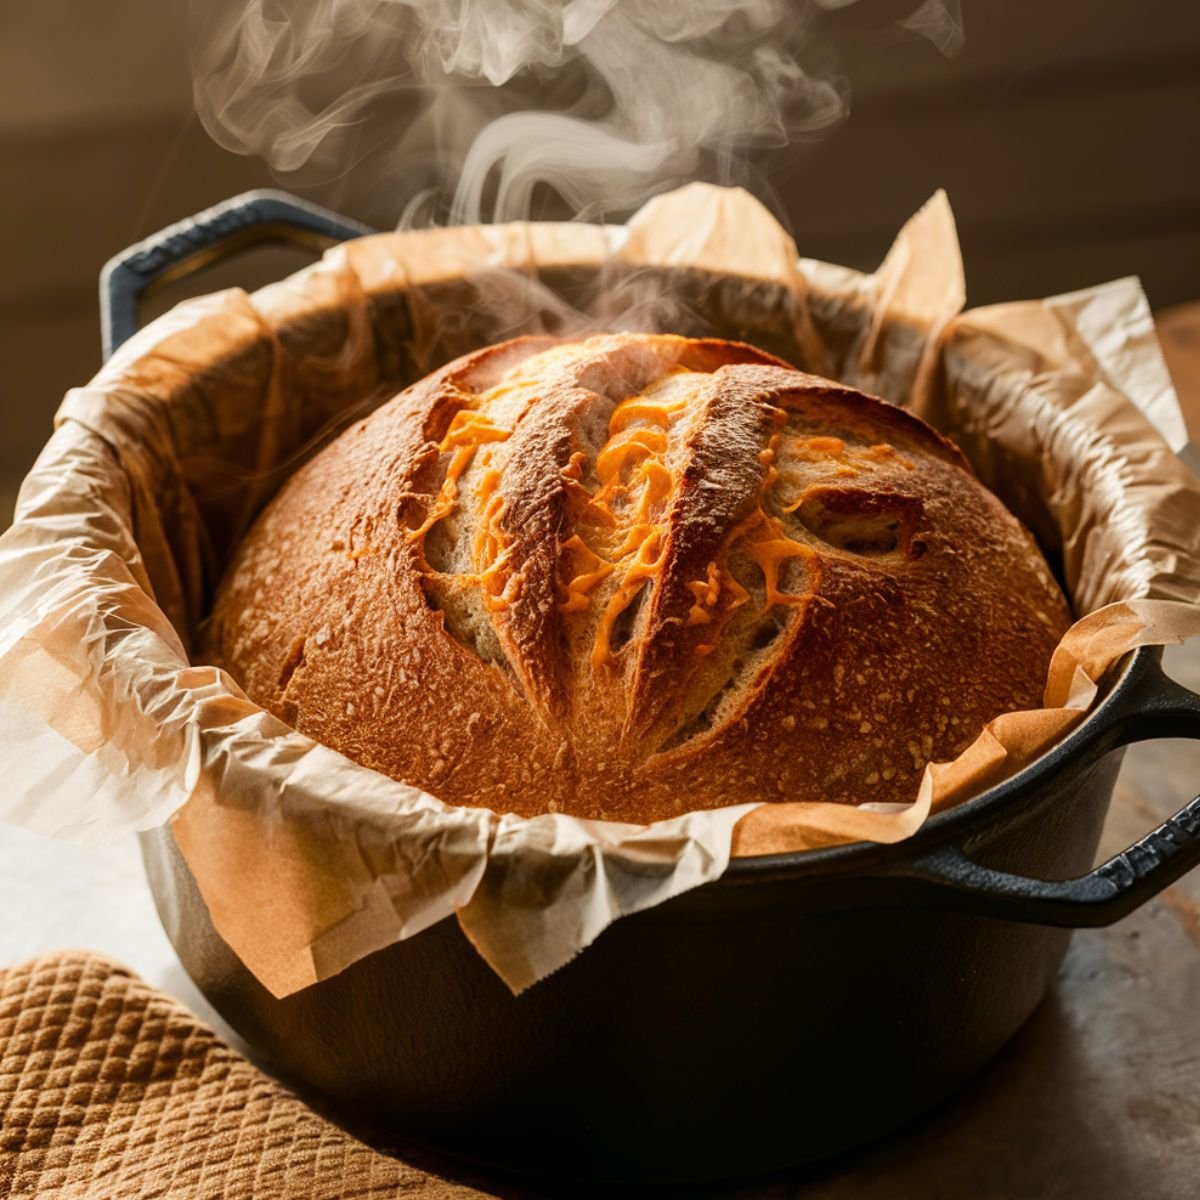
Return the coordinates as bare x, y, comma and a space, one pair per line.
636, 574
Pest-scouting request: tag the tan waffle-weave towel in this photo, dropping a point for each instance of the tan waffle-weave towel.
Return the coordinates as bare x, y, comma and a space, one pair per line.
110, 1090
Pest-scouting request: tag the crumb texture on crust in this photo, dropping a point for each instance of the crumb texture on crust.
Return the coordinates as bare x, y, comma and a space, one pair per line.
637, 574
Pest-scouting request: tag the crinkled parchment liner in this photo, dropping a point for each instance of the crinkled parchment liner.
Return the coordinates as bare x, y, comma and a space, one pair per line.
307, 861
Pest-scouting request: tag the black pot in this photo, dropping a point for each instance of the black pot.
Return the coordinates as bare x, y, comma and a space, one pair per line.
797, 1006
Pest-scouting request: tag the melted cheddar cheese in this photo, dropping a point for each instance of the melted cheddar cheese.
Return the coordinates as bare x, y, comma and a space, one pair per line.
623, 523
619, 528
842, 459
469, 429
765, 540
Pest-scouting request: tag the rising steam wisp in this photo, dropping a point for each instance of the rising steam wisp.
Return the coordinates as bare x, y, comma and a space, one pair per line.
479, 107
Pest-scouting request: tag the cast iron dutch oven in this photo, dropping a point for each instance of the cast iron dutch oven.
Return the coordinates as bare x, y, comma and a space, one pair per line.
801, 1004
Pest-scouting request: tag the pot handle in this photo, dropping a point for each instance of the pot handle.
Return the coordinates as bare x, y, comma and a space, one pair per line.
189, 246
1114, 888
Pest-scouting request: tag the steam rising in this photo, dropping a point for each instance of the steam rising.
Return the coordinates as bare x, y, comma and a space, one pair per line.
492, 109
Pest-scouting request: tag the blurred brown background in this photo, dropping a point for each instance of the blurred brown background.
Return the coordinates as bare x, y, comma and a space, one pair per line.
1067, 135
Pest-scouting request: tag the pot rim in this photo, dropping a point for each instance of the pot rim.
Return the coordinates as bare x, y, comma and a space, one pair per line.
1002, 800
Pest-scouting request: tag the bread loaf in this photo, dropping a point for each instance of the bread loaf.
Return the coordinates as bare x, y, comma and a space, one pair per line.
632, 575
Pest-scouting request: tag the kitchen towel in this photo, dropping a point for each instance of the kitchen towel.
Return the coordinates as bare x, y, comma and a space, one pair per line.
110, 1090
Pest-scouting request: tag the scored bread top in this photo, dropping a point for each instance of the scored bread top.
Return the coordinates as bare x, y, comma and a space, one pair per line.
638, 574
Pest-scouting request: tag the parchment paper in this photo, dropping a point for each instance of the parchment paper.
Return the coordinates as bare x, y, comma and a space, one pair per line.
307, 861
